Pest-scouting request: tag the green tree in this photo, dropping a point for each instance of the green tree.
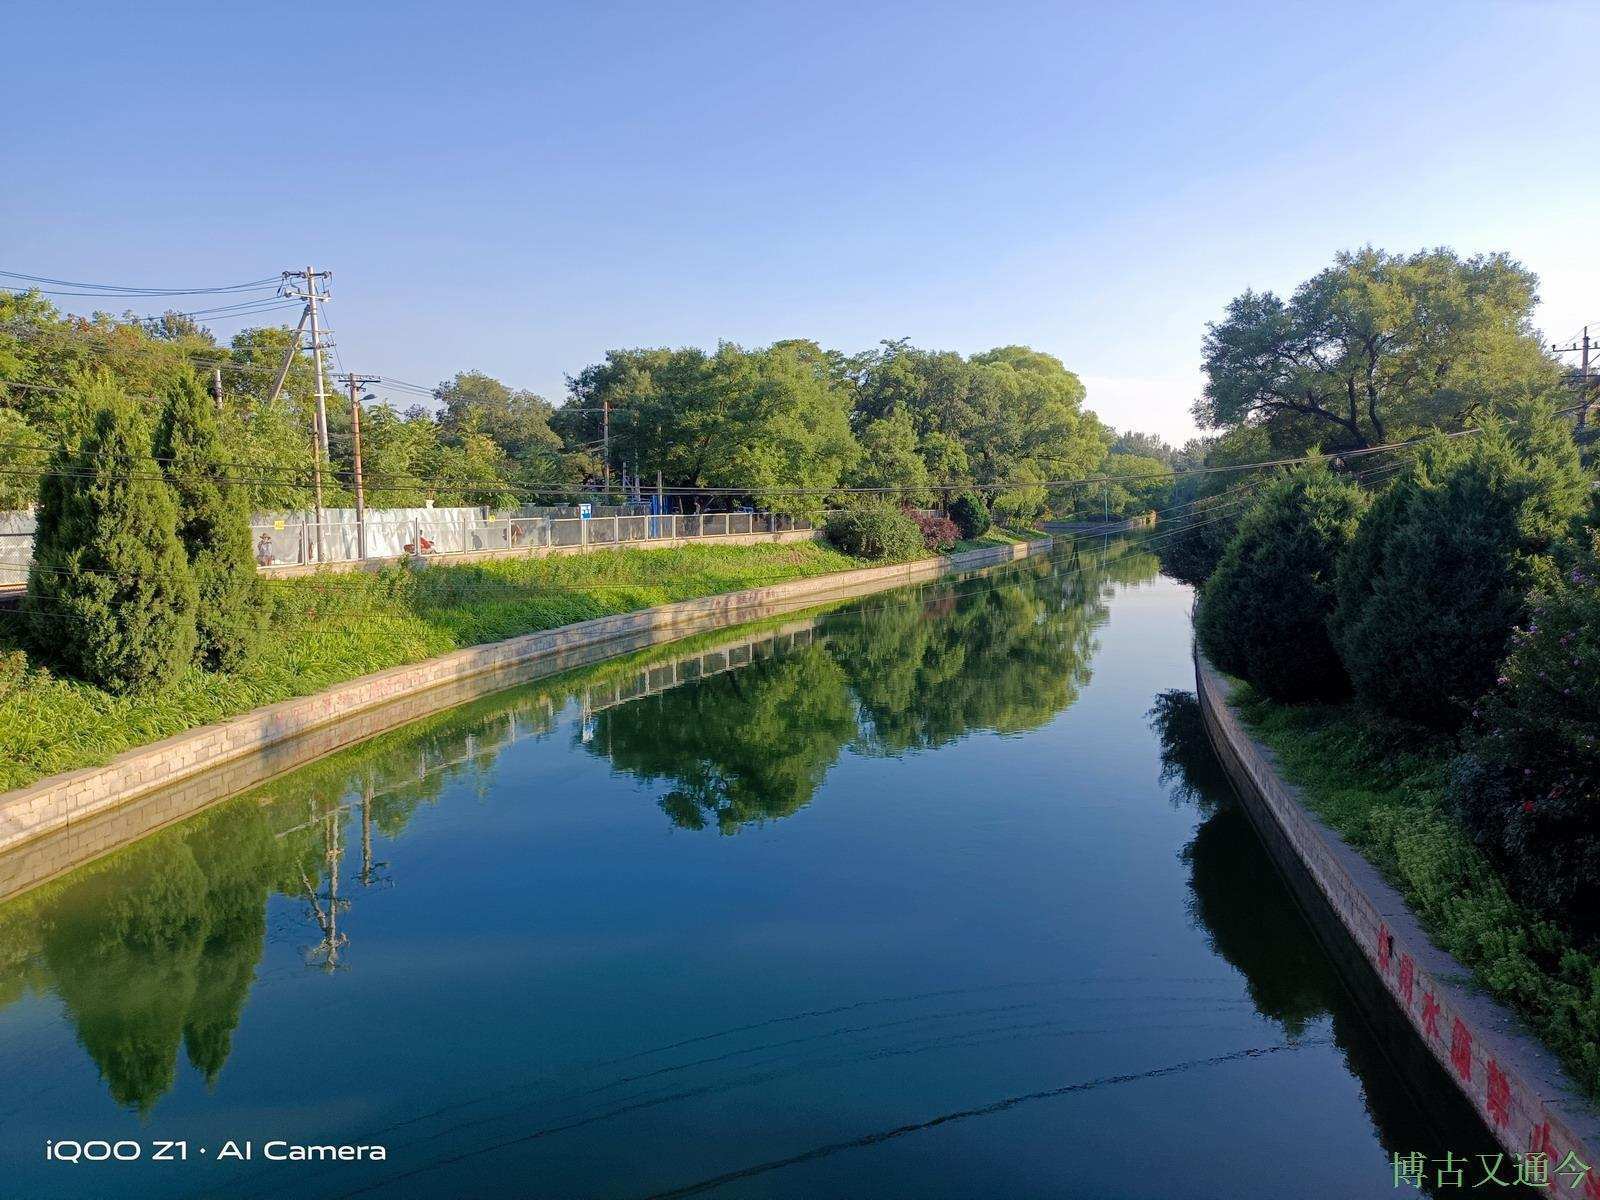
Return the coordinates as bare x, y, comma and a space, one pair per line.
1145, 445
1137, 484
766, 421
1376, 346
1009, 419
214, 527
24, 453
890, 459
1206, 506
970, 512
1438, 573
110, 593
479, 410
516, 420
473, 472
270, 439
1264, 611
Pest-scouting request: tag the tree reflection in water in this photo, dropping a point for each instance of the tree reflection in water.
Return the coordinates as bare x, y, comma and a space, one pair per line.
889, 675
1253, 922
153, 950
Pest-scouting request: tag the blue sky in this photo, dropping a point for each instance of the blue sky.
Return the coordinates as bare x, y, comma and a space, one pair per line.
519, 187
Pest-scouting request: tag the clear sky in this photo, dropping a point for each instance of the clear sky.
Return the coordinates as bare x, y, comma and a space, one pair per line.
519, 187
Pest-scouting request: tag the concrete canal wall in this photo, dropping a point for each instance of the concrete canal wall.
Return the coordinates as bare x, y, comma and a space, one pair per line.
1437, 1019
79, 815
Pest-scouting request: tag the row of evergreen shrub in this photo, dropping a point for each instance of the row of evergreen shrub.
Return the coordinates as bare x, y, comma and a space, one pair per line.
1408, 601
1461, 609
142, 561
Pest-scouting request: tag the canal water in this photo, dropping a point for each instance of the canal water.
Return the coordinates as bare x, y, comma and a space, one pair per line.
934, 894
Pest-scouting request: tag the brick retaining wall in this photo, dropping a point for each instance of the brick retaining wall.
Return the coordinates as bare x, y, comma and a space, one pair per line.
200, 765
1518, 1088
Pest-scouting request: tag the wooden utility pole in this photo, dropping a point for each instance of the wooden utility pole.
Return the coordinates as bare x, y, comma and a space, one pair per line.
1583, 382
605, 439
1581, 376
357, 382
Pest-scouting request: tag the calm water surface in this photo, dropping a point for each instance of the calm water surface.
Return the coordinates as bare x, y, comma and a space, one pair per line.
937, 895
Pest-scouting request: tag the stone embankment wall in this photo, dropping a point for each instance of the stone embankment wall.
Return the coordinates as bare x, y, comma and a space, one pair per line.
78, 815
1525, 1098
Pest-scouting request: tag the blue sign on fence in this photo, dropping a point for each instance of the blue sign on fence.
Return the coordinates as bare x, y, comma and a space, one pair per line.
585, 511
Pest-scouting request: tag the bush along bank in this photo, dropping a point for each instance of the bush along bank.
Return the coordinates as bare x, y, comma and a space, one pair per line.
1463, 613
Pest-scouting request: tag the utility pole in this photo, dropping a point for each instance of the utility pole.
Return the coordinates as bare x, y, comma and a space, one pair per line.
1583, 382
306, 289
605, 439
216, 388
356, 383
316, 354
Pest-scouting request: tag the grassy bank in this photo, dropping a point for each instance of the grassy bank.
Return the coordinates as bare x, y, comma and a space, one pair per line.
1000, 537
326, 629
1389, 804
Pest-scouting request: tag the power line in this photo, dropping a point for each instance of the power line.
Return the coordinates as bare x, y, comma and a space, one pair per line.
116, 289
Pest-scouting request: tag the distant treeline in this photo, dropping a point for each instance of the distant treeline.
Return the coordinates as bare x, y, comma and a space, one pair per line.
789, 426
1374, 349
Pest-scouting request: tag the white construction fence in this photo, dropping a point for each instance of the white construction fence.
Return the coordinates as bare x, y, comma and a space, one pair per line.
296, 539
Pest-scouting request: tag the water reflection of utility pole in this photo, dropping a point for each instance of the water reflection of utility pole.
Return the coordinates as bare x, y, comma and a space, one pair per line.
325, 908
369, 869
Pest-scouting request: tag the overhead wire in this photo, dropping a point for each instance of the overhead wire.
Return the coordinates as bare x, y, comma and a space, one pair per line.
118, 289
719, 491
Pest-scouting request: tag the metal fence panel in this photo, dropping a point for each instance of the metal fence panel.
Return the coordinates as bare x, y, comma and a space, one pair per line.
292, 539
568, 531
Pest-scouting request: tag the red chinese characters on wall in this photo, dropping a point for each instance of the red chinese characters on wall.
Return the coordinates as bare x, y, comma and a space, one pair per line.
1385, 942
1540, 1142
1498, 1097
1430, 1015
1461, 1050
1408, 977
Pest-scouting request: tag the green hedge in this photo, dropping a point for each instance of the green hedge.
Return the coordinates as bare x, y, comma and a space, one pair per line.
1528, 785
875, 532
1264, 611
971, 515
1438, 573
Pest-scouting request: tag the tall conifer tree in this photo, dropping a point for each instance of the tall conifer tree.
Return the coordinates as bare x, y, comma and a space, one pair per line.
110, 594
213, 525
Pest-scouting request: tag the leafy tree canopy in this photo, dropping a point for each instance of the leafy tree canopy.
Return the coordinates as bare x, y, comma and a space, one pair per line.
1375, 347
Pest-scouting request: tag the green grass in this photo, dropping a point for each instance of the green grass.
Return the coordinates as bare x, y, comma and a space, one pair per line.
326, 629
999, 537
1388, 802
